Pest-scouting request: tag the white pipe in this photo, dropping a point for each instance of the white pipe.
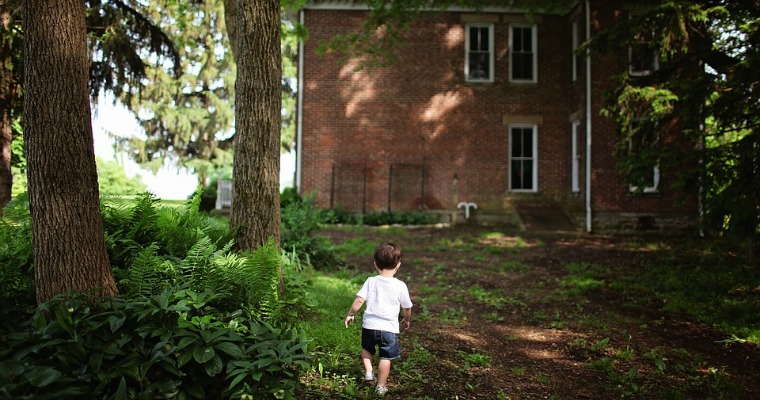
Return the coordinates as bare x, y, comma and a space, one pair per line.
299, 111
588, 121
467, 206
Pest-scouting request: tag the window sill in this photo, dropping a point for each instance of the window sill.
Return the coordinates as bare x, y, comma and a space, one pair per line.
479, 83
523, 83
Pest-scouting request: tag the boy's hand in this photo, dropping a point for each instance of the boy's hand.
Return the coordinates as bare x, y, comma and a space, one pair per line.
406, 323
349, 320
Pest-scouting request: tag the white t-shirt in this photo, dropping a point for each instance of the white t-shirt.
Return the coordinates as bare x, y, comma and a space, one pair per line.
384, 297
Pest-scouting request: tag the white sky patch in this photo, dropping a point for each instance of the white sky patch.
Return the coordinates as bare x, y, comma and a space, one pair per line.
170, 182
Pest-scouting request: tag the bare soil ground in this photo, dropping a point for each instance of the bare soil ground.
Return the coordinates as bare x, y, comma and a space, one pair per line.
495, 317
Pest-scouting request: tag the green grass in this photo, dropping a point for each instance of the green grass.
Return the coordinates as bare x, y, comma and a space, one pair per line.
475, 359
357, 247
325, 324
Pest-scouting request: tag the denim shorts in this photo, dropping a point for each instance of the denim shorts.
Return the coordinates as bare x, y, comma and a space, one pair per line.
386, 341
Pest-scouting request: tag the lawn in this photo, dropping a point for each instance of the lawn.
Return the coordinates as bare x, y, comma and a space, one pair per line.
519, 315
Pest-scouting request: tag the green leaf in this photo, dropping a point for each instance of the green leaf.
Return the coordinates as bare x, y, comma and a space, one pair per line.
231, 349
214, 367
116, 323
121, 392
43, 376
96, 360
184, 358
10, 369
185, 341
203, 354
236, 381
194, 389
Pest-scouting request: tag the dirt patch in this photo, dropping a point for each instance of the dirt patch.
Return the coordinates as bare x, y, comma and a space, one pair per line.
496, 317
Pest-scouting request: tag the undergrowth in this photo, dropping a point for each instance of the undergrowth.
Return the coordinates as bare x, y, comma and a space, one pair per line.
194, 319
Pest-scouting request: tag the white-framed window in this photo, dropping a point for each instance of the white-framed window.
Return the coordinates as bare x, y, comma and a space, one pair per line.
523, 45
523, 158
643, 57
479, 53
576, 57
640, 140
575, 158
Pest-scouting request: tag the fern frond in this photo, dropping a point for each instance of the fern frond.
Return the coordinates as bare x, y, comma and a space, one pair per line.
262, 273
143, 277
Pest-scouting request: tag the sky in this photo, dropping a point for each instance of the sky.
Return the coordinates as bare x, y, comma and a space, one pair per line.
171, 182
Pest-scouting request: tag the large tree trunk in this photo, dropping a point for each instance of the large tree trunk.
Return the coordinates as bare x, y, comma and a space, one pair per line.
256, 169
6, 104
67, 229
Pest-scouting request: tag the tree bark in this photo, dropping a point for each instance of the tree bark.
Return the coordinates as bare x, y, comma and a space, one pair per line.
256, 167
67, 229
230, 21
6, 105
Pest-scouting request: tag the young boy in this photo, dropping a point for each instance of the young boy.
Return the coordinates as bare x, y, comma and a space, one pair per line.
384, 295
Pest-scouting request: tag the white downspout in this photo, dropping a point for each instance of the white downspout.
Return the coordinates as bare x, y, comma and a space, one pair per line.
299, 111
588, 121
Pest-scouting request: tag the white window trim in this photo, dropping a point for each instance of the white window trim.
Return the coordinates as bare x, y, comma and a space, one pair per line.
491, 51
534, 129
655, 63
574, 56
655, 173
649, 189
644, 72
534, 34
575, 158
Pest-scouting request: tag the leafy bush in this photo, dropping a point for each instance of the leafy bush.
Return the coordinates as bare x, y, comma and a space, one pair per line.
377, 218
289, 196
208, 196
16, 261
113, 179
338, 216
195, 319
133, 227
169, 345
300, 219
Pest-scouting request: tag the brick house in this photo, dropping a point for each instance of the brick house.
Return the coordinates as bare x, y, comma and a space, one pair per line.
488, 107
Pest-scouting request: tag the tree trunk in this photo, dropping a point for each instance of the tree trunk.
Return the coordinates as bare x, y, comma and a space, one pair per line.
67, 229
6, 104
230, 21
256, 168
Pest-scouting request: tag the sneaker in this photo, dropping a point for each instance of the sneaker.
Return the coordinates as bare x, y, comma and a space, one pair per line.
369, 377
381, 390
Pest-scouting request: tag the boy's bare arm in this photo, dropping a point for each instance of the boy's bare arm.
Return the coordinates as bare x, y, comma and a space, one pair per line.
406, 323
353, 310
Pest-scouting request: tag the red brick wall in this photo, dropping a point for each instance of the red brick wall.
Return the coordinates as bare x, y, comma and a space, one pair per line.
610, 192
419, 117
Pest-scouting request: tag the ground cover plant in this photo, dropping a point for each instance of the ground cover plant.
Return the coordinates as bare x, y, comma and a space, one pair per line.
194, 319
523, 315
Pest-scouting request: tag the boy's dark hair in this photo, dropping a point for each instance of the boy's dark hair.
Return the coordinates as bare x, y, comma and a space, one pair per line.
387, 255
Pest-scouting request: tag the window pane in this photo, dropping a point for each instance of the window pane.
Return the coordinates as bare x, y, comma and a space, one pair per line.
517, 39
473, 38
480, 65
516, 142
527, 174
483, 39
527, 150
527, 40
516, 174
522, 66
642, 58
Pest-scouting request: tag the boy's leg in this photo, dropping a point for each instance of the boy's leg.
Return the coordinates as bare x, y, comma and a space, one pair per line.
367, 362
383, 370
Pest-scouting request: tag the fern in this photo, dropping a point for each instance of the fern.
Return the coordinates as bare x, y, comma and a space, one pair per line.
143, 278
263, 273
143, 223
197, 267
